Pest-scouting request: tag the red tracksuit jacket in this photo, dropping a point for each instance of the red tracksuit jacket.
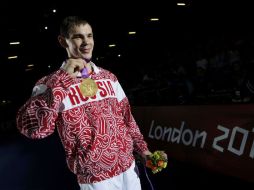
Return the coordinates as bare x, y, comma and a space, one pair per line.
99, 134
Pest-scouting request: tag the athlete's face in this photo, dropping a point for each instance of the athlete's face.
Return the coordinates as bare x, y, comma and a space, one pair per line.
80, 42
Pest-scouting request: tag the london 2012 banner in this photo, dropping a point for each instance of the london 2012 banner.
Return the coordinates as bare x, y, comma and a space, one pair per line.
218, 137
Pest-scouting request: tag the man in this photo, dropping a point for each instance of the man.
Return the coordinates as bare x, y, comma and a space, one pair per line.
89, 108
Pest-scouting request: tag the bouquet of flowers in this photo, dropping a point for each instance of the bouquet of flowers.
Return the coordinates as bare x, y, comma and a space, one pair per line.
157, 161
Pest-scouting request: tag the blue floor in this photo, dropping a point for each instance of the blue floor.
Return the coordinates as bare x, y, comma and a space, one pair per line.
40, 165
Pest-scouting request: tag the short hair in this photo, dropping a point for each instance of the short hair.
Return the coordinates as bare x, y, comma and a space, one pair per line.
69, 23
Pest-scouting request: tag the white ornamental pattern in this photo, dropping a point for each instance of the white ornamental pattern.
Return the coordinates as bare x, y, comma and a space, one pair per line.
98, 134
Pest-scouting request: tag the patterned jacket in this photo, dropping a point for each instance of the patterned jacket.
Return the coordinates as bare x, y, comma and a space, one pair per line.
99, 133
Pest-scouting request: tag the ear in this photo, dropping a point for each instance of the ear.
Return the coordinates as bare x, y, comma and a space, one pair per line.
62, 41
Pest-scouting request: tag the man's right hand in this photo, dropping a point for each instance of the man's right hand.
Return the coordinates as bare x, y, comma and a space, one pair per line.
74, 66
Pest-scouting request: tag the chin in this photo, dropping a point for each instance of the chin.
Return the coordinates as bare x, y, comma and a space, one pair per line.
87, 57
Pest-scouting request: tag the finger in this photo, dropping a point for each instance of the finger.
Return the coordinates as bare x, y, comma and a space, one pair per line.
76, 64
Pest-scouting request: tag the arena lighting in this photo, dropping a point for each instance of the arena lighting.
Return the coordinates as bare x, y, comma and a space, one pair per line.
13, 57
154, 19
111, 45
31, 65
14, 43
29, 69
181, 4
3, 102
54, 10
131, 33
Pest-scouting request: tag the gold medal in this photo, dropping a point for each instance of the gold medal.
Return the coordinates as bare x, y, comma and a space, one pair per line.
88, 87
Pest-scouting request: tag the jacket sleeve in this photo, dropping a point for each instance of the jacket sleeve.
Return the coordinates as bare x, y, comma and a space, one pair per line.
139, 143
36, 118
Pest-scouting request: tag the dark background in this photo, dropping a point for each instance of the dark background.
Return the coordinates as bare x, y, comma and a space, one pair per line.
158, 66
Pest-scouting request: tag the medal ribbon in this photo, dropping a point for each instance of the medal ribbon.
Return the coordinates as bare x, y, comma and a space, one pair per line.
85, 74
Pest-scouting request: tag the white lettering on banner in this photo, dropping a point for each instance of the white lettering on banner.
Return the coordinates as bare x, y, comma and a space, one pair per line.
232, 140
177, 134
189, 133
189, 137
252, 148
219, 138
243, 142
185, 136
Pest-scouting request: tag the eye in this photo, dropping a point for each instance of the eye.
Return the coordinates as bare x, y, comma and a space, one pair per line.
77, 37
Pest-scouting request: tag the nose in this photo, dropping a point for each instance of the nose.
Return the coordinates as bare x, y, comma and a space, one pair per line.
85, 40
